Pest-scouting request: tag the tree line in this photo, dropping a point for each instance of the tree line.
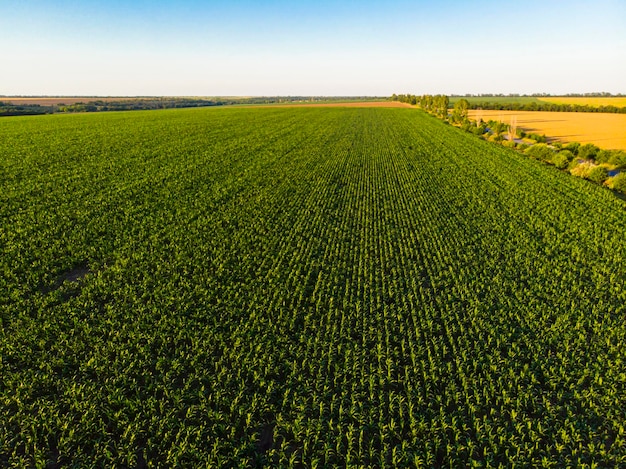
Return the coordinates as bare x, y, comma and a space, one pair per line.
554, 107
434, 104
10, 109
428, 102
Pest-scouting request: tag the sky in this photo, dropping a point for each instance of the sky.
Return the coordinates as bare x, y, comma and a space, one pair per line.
310, 48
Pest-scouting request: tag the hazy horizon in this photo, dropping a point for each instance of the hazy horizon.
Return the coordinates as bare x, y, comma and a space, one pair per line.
279, 48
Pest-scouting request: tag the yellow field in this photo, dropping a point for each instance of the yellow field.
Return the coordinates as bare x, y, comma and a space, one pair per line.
590, 101
604, 130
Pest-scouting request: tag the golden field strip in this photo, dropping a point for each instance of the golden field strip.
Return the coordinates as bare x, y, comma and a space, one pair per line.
602, 129
587, 101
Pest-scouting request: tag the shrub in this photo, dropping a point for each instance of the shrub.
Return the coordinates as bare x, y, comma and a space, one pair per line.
573, 147
481, 129
598, 174
588, 151
541, 151
582, 170
618, 183
618, 158
538, 138
604, 156
567, 154
560, 160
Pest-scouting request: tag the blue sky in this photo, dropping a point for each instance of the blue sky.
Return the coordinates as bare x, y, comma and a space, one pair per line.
246, 48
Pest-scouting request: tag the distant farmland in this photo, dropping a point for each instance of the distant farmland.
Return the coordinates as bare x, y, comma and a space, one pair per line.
67, 100
354, 104
604, 130
587, 101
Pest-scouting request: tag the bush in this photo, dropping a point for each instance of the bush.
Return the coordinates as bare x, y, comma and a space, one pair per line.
538, 138
573, 147
567, 154
582, 170
560, 160
598, 174
618, 183
540, 151
604, 156
588, 151
618, 158
481, 129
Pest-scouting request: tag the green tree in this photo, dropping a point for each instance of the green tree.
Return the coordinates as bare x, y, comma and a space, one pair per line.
461, 107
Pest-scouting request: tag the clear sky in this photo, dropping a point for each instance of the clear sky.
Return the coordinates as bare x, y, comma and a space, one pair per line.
279, 47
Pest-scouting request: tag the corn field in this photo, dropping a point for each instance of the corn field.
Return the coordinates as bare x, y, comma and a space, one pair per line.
311, 287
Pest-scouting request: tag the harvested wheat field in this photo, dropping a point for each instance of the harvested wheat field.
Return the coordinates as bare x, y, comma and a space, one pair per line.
604, 130
587, 101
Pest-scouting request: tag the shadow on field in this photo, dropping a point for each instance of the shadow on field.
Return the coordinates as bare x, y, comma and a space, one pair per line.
72, 276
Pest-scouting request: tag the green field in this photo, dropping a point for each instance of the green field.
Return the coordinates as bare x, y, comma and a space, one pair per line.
306, 287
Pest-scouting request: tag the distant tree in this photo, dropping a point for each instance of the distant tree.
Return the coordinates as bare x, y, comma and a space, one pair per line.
426, 102
444, 103
460, 111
